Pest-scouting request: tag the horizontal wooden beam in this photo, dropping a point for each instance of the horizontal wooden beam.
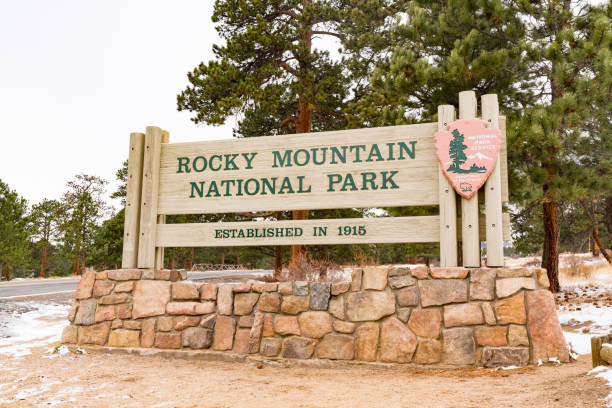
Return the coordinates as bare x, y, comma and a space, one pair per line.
311, 232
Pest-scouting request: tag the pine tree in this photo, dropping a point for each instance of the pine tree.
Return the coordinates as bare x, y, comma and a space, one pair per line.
46, 218
555, 142
440, 49
457, 152
270, 71
13, 230
85, 207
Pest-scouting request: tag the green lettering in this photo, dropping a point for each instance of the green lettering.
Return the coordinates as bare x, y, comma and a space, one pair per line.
390, 151
368, 178
306, 157
314, 155
265, 182
404, 148
227, 183
210, 162
388, 179
203, 160
248, 159
212, 189
278, 160
348, 179
301, 185
286, 184
246, 186
355, 149
374, 151
333, 179
199, 190
183, 162
229, 159
336, 153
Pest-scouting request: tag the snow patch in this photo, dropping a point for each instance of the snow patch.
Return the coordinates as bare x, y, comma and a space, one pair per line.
35, 328
606, 374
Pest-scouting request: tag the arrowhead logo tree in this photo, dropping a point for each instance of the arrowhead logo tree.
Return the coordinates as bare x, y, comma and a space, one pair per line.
467, 152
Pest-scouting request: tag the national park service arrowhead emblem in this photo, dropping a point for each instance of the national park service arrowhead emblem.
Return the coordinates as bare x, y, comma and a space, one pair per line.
467, 152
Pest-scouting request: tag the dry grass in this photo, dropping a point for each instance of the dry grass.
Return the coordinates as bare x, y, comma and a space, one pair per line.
306, 268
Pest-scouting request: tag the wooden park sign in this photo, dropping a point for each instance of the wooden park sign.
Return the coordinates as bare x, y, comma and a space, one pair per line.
376, 167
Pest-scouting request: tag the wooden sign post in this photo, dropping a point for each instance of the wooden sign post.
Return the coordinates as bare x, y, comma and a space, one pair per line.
376, 167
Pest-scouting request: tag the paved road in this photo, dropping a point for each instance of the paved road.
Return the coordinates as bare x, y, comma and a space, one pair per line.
36, 287
21, 288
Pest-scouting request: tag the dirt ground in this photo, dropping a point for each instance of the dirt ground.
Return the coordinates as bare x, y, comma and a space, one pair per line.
100, 380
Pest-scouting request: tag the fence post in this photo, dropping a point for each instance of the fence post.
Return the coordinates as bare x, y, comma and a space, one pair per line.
493, 203
448, 209
131, 226
469, 207
150, 187
161, 219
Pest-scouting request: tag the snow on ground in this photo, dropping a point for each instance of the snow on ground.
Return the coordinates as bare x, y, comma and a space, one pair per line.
606, 374
38, 326
585, 311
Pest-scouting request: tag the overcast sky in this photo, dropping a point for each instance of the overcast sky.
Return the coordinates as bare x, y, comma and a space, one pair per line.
76, 77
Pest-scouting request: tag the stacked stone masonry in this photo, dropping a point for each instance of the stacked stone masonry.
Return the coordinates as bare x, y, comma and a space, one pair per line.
398, 314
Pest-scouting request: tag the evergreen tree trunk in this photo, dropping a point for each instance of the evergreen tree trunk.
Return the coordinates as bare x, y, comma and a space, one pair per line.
43, 262
608, 215
8, 273
599, 245
189, 263
550, 254
75, 265
303, 125
223, 256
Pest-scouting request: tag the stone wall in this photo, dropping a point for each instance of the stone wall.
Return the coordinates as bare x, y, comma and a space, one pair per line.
399, 314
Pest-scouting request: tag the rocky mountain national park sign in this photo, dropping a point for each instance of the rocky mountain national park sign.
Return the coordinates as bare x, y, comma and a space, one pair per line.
446, 316
377, 167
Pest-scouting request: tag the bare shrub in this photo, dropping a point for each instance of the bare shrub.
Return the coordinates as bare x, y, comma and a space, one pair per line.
306, 268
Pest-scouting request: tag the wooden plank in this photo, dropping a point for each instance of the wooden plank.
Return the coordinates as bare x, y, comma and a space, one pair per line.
469, 207
595, 350
493, 201
448, 203
131, 228
149, 200
375, 230
503, 156
417, 178
482, 230
161, 219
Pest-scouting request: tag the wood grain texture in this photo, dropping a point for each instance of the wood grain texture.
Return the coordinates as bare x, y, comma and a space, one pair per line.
482, 231
161, 219
378, 230
150, 194
131, 227
492, 187
417, 178
447, 198
503, 156
469, 207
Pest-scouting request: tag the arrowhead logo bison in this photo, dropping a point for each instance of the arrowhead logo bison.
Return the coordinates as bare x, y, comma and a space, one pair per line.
467, 152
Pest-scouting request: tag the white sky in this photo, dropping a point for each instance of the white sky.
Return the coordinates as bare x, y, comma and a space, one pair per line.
76, 77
